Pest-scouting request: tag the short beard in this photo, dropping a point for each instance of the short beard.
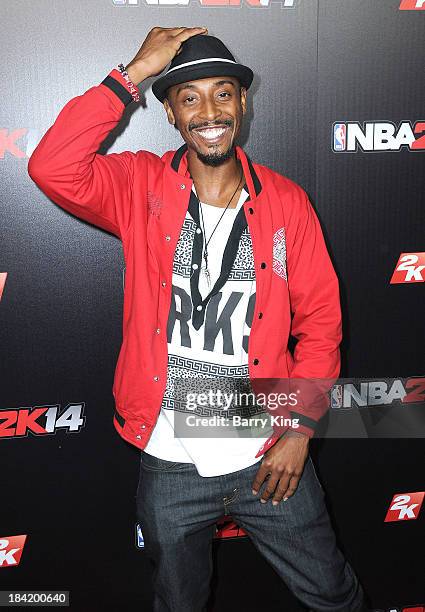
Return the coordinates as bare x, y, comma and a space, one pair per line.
216, 159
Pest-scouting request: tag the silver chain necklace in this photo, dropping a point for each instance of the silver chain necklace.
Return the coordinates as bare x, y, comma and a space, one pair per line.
204, 266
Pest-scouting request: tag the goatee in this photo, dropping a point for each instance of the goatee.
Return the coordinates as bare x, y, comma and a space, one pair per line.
217, 158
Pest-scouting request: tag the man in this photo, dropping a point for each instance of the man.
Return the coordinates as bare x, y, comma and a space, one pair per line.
224, 259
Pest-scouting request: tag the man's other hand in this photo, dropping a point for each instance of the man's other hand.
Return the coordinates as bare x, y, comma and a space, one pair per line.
282, 467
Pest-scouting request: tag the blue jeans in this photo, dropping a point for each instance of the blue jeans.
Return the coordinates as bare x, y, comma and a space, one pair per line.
177, 510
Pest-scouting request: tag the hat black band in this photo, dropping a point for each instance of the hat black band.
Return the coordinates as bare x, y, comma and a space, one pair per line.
202, 71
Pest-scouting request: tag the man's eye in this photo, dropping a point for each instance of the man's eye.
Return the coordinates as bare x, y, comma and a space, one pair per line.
224, 93
189, 98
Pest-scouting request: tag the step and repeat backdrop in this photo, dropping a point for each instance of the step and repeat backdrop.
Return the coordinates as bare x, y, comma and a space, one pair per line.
337, 105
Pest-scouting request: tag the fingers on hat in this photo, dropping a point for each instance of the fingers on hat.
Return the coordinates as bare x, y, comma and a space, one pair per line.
186, 33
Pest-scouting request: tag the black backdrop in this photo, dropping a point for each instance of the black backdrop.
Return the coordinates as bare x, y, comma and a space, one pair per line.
316, 63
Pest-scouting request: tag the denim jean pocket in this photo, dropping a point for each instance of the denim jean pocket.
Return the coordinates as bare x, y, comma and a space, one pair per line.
155, 464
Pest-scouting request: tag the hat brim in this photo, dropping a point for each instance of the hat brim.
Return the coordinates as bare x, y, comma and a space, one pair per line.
204, 71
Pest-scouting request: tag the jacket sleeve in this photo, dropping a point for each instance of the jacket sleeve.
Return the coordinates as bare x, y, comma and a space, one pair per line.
67, 168
316, 314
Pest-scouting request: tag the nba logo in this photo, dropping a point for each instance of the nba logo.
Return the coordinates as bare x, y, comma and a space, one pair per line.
340, 130
336, 396
140, 540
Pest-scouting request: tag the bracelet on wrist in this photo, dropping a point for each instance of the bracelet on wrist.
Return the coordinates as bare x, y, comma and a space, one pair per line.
131, 86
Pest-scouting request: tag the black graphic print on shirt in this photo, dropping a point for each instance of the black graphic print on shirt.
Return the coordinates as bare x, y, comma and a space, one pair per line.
214, 323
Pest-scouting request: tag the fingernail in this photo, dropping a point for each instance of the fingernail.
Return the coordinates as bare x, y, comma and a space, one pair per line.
275, 503
285, 498
254, 491
263, 501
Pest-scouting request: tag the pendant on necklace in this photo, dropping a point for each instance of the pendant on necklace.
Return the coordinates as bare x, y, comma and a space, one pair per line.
204, 269
208, 277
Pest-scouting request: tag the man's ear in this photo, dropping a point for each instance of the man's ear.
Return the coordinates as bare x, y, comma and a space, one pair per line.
169, 111
243, 99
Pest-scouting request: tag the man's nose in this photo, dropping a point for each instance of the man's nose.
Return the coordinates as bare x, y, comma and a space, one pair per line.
209, 110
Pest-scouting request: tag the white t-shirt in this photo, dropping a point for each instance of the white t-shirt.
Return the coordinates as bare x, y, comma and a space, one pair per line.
217, 349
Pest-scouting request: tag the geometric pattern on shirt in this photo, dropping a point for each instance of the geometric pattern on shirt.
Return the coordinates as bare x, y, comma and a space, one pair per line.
243, 266
279, 253
197, 374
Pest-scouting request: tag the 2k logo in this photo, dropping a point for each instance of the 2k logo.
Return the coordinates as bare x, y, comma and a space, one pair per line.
405, 506
227, 528
22, 149
8, 142
11, 548
409, 269
3, 276
412, 5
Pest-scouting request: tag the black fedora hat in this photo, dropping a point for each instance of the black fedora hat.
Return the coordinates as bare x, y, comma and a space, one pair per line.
201, 56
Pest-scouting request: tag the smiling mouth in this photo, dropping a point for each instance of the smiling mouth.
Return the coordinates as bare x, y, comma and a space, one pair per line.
211, 135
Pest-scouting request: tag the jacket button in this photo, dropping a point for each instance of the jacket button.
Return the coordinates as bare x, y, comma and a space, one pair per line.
263, 265
256, 361
198, 230
164, 284
156, 378
143, 426
157, 331
260, 315
168, 238
251, 211
139, 437
182, 186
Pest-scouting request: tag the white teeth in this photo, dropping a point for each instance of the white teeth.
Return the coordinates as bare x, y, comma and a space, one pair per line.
211, 133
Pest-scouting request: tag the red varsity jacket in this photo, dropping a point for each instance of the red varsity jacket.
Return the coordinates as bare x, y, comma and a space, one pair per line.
142, 199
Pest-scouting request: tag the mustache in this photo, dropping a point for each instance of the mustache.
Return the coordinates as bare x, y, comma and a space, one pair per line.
227, 122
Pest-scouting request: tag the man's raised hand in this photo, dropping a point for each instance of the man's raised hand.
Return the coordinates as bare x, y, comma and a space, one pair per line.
158, 49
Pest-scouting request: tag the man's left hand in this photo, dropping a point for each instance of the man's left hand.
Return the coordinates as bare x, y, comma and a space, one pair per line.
284, 462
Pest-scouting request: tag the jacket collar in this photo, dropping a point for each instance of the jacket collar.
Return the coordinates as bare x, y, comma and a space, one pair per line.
178, 163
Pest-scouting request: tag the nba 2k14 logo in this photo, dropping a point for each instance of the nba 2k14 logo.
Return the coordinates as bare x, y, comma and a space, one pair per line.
11, 548
404, 507
409, 269
412, 5
378, 136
